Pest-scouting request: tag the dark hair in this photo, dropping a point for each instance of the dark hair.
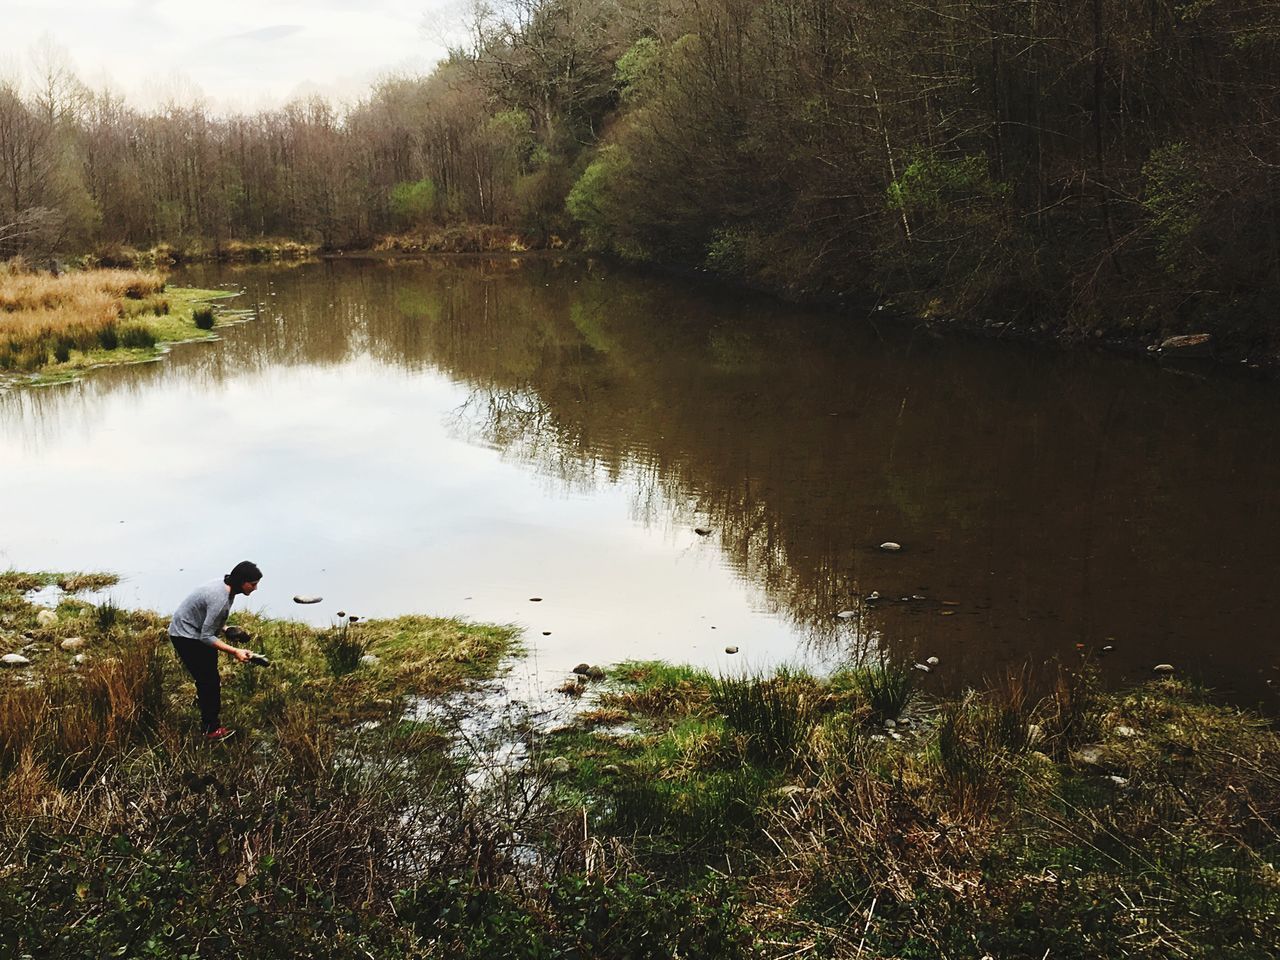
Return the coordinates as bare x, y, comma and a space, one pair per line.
243, 572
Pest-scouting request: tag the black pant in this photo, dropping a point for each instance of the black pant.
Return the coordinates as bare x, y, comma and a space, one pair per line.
201, 661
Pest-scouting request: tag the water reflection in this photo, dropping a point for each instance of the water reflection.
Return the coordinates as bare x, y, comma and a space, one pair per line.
1044, 502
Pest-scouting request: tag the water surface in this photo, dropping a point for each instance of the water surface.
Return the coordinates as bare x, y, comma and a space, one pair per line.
461, 437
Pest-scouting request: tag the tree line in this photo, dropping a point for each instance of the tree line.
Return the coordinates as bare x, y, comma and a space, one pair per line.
1079, 164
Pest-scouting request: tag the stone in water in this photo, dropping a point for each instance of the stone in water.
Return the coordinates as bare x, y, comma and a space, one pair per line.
890, 547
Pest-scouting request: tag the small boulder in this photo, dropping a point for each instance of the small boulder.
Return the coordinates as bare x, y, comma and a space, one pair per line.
73, 643
15, 660
890, 546
1164, 669
46, 618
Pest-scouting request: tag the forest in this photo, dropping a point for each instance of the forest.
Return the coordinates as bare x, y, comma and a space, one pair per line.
1081, 168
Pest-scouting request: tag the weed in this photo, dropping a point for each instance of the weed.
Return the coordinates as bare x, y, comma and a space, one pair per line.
203, 317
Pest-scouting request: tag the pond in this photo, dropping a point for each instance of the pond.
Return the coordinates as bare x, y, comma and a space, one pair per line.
672, 469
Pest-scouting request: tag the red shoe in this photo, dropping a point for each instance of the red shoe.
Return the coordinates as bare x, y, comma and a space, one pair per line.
222, 733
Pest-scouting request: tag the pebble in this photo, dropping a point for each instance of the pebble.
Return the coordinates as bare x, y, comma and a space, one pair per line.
924, 667
918, 596
15, 660
873, 595
1126, 731
946, 613
890, 724
546, 633
847, 614
73, 643
1165, 668
1108, 648
730, 649
702, 531
306, 598
1120, 782
46, 618
890, 547
611, 768
932, 661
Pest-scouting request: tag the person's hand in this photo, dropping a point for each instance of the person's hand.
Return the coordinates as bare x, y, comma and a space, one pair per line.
242, 655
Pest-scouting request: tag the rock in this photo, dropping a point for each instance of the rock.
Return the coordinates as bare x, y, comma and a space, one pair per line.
535, 599
1108, 648
595, 673
890, 724
932, 661
306, 598
15, 660
1120, 782
1090, 756
369, 660
702, 531
918, 596
730, 649
46, 618
1124, 731
73, 643
582, 669
341, 614
924, 667
894, 735
558, 766
1188, 345
890, 547
873, 595
847, 614
611, 768
78, 659
384, 704
1163, 668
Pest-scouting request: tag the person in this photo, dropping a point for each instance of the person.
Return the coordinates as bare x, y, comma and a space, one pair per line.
194, 630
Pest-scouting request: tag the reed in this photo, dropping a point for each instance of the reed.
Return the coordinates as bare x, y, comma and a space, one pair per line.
772, 715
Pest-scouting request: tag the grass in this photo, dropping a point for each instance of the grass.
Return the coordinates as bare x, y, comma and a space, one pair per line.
976, 828
52, 328
682, 815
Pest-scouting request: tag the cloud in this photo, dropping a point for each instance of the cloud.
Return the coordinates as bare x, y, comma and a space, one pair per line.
267, 34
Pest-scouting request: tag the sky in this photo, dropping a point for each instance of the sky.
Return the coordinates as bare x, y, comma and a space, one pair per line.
233, 54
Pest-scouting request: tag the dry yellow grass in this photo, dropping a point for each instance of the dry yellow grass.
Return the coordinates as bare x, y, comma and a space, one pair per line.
36, 307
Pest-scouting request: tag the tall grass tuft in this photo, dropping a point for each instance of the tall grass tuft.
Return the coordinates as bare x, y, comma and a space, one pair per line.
136, 336
773, 715
343, 647
887, 687
106, 615
1072, 713
203, 317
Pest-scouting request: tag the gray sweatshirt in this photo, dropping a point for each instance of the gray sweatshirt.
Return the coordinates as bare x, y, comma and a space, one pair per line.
202, 614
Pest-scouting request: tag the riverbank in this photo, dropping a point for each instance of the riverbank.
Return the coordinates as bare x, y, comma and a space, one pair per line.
679, 815
54, 327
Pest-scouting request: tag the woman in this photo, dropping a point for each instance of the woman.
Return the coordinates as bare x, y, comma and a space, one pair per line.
194, 633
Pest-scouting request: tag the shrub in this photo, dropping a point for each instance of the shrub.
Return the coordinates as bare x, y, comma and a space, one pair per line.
108, 338
203, 317
106, 615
